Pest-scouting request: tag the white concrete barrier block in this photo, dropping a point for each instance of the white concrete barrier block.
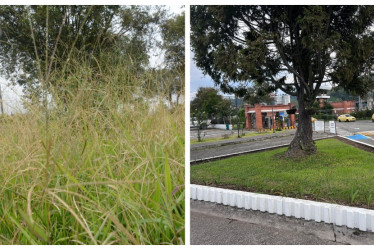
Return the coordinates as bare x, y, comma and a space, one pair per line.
262, 203
219, 196
368, 221
312, 211
371, 219
232, 199
206, 194
362, 221
287, 207
356, 214
338, 213
254, 202
225, 197
212, 195
293, 207
193, 192
247, 201
307, 211
271, 205
317, 213
279, 207
297, 206
327, 214
350, 219
239, 200
199, 193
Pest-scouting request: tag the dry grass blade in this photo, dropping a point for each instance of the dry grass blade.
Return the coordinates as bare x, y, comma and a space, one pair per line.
75, 216
29, 211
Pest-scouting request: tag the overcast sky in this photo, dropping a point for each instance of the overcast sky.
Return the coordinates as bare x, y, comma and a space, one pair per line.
198, 79
12, 95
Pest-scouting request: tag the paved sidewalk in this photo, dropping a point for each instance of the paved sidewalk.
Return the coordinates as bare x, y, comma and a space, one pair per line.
221, 225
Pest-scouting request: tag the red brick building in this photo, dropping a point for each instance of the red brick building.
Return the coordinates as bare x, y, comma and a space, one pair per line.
263, 116
345, 107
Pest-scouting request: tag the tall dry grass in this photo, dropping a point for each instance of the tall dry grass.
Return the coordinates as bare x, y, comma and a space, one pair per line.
103, 164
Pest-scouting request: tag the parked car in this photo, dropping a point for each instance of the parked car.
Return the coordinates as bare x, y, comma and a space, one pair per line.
346, 118
372, 118
314, 119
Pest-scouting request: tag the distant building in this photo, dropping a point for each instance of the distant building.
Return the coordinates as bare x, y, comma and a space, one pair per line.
344, 107
365, 102
263, 116
323, 90
281, 99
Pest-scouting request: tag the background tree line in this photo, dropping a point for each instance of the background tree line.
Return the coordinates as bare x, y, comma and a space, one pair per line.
221, 110
40, 42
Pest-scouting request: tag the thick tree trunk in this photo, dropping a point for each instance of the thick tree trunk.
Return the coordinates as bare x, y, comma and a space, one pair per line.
303, 144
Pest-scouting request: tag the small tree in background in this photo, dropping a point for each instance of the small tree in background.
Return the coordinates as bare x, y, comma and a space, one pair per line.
199, 117
207, 100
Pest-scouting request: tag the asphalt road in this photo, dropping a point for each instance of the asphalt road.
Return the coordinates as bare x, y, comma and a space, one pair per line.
350, 128
234, 148
343, 128
354, 127
213, 224
212, 133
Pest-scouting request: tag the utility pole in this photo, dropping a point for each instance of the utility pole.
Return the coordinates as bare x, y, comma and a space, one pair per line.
1, 102
237, 113
272, 114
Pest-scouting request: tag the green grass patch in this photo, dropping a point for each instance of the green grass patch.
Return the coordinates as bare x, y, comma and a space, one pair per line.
338, 173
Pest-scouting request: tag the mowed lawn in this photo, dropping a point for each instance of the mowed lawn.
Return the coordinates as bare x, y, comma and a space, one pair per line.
338, 173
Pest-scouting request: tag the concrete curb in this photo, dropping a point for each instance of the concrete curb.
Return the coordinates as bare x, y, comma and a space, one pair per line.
352, 217
355, 141
214, 158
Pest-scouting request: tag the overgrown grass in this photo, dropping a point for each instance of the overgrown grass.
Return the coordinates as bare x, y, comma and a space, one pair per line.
338, 173
104, 167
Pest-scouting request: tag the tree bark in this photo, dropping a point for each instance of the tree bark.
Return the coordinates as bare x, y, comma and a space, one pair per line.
303, 144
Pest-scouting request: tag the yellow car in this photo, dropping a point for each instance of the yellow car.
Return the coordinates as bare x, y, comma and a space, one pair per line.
346, 118
372, 118
314, 119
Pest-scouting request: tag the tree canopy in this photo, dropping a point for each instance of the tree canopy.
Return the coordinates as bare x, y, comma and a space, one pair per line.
291, 48
209, 101
172, 31
38, 40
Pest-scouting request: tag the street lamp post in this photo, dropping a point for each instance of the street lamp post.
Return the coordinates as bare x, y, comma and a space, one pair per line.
273, 116
237, 113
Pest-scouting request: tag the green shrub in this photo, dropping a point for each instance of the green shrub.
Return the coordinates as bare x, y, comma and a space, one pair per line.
363, 114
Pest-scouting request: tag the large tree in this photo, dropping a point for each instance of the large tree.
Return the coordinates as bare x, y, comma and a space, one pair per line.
173, 42
38, 40
291, 48
208, 100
